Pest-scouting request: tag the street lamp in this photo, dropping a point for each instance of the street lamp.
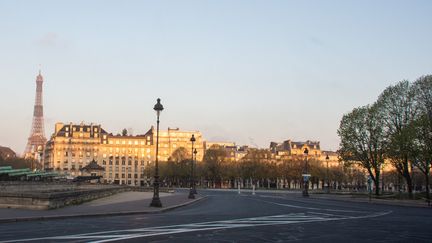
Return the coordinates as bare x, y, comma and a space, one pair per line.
306, 175
327, 175
191, 193
193, 174
156, 202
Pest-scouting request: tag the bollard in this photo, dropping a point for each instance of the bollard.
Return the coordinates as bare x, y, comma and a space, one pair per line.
239, 188
253, 190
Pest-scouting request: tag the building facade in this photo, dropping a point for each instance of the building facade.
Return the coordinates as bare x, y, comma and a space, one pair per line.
290, 148
172, 139
125, 158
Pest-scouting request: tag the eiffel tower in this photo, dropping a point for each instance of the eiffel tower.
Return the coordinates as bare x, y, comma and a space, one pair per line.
36, 141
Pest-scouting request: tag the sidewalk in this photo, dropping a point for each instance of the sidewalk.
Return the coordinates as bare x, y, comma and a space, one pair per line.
118, 204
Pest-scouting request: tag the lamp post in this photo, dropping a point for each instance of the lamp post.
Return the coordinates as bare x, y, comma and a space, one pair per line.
156, 202
193, 174
191, 193
306, 175
327, 175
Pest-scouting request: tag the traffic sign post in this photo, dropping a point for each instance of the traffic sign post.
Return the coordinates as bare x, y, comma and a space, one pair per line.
369, 181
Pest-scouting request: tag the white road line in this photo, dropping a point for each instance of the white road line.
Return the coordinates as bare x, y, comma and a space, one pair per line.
311, 208
299, 201
116, 235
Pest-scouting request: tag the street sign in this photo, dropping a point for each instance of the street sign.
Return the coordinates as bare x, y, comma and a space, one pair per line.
306, 175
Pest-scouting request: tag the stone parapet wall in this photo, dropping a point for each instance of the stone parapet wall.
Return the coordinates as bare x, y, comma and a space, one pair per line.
54, 195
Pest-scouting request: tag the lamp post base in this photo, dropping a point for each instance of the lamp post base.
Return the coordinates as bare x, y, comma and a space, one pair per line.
305, 194
191, 194
156, 202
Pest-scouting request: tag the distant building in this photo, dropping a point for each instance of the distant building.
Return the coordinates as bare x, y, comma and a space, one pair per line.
209, 145
233, 152
125, 158
172, 139
291, 148
93, 169
74, 146
6, 153
333, 158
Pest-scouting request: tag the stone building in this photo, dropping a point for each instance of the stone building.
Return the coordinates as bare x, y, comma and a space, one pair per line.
233, 151
291, 148
73, 146
173, 138
125, 158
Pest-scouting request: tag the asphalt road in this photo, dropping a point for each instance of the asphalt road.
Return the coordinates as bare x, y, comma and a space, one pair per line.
226, 216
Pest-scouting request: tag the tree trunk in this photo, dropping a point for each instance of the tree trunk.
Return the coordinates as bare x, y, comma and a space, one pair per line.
410, 186
377, 188
427, 187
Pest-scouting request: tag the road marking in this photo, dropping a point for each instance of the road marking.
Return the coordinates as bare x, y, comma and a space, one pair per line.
311, 208
116, 235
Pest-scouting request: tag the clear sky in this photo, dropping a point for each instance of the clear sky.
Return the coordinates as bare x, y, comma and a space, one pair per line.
244, 71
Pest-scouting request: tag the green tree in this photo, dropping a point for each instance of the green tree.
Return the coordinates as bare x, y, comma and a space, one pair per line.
124, 132
213, 165
399, 108
255, 165
363, 140
178, 167
422, 128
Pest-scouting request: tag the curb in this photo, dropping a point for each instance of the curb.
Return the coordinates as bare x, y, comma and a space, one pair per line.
162, 210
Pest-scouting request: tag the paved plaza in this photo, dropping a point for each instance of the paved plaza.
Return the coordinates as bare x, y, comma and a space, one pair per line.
225, 215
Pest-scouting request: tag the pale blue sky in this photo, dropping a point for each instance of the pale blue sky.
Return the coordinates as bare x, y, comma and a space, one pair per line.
243, 71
